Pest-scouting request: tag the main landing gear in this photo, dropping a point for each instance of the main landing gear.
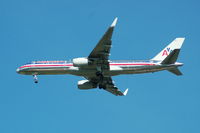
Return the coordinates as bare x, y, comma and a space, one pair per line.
100, 75
35, 78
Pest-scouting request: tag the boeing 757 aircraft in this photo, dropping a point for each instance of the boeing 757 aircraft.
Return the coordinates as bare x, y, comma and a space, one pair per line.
97, 69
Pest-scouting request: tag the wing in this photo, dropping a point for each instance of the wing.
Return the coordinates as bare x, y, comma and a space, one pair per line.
101, 52
109, 86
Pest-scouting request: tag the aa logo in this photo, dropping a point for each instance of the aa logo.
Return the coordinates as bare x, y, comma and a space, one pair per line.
166, 52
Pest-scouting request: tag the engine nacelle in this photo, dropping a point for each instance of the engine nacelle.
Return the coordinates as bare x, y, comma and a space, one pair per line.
86, 84
81, 62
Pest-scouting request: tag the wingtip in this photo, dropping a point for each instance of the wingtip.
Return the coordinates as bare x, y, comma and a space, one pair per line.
114, 22
125, 92
180, 38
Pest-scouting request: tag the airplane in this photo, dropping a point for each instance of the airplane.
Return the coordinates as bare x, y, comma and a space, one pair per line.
98, 70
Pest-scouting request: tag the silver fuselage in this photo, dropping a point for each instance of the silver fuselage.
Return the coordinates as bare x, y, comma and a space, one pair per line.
115, 68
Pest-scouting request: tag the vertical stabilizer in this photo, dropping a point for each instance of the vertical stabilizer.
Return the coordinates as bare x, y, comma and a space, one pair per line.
176, 44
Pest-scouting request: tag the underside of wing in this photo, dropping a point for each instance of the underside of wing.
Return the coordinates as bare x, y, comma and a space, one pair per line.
107, 84
102, 49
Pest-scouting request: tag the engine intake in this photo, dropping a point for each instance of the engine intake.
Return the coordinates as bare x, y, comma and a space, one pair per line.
86, 84
81, 62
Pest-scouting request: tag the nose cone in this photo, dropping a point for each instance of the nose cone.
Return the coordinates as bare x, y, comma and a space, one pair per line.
18, 70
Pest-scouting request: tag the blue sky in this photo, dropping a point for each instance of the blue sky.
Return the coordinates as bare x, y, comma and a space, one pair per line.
65, 29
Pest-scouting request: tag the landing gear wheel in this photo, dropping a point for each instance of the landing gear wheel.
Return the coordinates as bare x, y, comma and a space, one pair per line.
98, 73
35, 78
100, 86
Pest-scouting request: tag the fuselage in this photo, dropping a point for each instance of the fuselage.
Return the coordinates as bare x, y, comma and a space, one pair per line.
116, 67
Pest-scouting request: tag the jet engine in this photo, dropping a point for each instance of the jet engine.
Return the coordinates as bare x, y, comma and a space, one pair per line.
81, 62
86, 84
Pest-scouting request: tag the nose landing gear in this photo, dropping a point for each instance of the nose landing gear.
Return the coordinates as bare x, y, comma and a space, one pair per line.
35, 78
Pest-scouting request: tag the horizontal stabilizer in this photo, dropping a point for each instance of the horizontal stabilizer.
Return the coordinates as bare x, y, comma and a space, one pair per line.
175, 71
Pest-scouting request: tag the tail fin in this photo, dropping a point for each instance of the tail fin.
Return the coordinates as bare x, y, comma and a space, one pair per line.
172, 49
172, 57
169, 55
